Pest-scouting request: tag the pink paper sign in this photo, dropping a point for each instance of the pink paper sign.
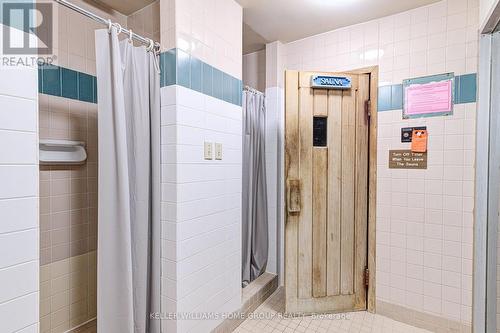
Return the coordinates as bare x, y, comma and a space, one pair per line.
434, 97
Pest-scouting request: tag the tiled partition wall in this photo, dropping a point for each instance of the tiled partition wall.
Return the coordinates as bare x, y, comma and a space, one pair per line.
68, 194
424, 217
201, 199
201, 214
274, 155
19, 233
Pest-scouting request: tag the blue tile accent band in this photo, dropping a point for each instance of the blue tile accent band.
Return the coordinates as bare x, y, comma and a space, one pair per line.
63, 82
179, 67
391, 97
192, 73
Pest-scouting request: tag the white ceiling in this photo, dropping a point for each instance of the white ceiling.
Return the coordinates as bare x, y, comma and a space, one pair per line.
126, 7
289, 20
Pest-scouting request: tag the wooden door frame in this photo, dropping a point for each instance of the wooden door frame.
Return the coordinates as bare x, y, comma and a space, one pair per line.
372, 181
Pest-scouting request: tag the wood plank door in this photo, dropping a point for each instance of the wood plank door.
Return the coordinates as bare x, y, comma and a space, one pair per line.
327, 194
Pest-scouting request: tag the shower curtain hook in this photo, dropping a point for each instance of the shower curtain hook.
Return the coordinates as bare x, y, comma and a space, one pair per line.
130, 36
110, 25
118, 27
150, 46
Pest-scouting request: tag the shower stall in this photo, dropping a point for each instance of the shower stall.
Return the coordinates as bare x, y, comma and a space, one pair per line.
99, 186
255, 226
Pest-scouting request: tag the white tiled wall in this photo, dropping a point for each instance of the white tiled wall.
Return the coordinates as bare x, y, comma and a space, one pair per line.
424, 218
18, 198
434, 39
167, 25
146, 21
210, 30
75, 44
201, 208
254, 70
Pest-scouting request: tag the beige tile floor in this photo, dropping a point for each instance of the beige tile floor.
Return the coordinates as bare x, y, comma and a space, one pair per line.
268, 318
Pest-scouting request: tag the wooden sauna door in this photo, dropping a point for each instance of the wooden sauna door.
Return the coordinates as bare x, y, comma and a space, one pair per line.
327, 194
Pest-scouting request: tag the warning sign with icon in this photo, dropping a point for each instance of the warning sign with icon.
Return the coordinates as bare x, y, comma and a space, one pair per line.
406, 132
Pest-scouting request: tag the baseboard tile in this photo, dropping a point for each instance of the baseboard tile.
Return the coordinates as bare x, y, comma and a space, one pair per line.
252, 296
85, 327
420, 319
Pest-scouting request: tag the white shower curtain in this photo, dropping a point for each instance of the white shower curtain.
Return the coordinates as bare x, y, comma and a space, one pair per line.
254, 198
128, 252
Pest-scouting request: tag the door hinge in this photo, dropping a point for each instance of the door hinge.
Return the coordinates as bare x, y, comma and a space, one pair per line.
368, 108
367, 277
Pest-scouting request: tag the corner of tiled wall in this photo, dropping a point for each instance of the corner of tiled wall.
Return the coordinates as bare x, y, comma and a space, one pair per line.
167, 25
275, 119
201, 199
146, 21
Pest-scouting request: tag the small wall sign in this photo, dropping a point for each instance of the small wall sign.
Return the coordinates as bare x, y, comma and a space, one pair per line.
406, 159
330, 82
419, 141
406, 132
428, 96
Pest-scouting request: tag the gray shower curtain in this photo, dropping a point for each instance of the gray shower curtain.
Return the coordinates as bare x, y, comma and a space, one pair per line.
128, 252
254, 196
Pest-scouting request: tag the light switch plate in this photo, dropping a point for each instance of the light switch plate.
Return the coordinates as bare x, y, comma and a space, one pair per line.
209, 151
218, 151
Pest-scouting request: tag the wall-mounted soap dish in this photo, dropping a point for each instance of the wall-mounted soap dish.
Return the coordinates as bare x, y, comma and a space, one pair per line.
60, 152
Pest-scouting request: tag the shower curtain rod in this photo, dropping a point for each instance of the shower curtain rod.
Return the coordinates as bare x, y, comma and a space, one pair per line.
255, 91
136, 37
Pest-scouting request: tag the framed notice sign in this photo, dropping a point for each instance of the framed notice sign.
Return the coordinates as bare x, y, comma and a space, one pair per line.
406, 159
428, 96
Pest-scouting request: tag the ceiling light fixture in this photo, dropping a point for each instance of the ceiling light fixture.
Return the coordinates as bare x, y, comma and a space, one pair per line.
333, 3
372, 54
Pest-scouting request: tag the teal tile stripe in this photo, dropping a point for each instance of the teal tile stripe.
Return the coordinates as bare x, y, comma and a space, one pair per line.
391, 97
179, 67
63, 82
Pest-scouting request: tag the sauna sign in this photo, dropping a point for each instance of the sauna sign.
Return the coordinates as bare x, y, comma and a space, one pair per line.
406, 159
331, 82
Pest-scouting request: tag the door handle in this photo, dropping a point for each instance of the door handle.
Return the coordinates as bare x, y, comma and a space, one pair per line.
293, 196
